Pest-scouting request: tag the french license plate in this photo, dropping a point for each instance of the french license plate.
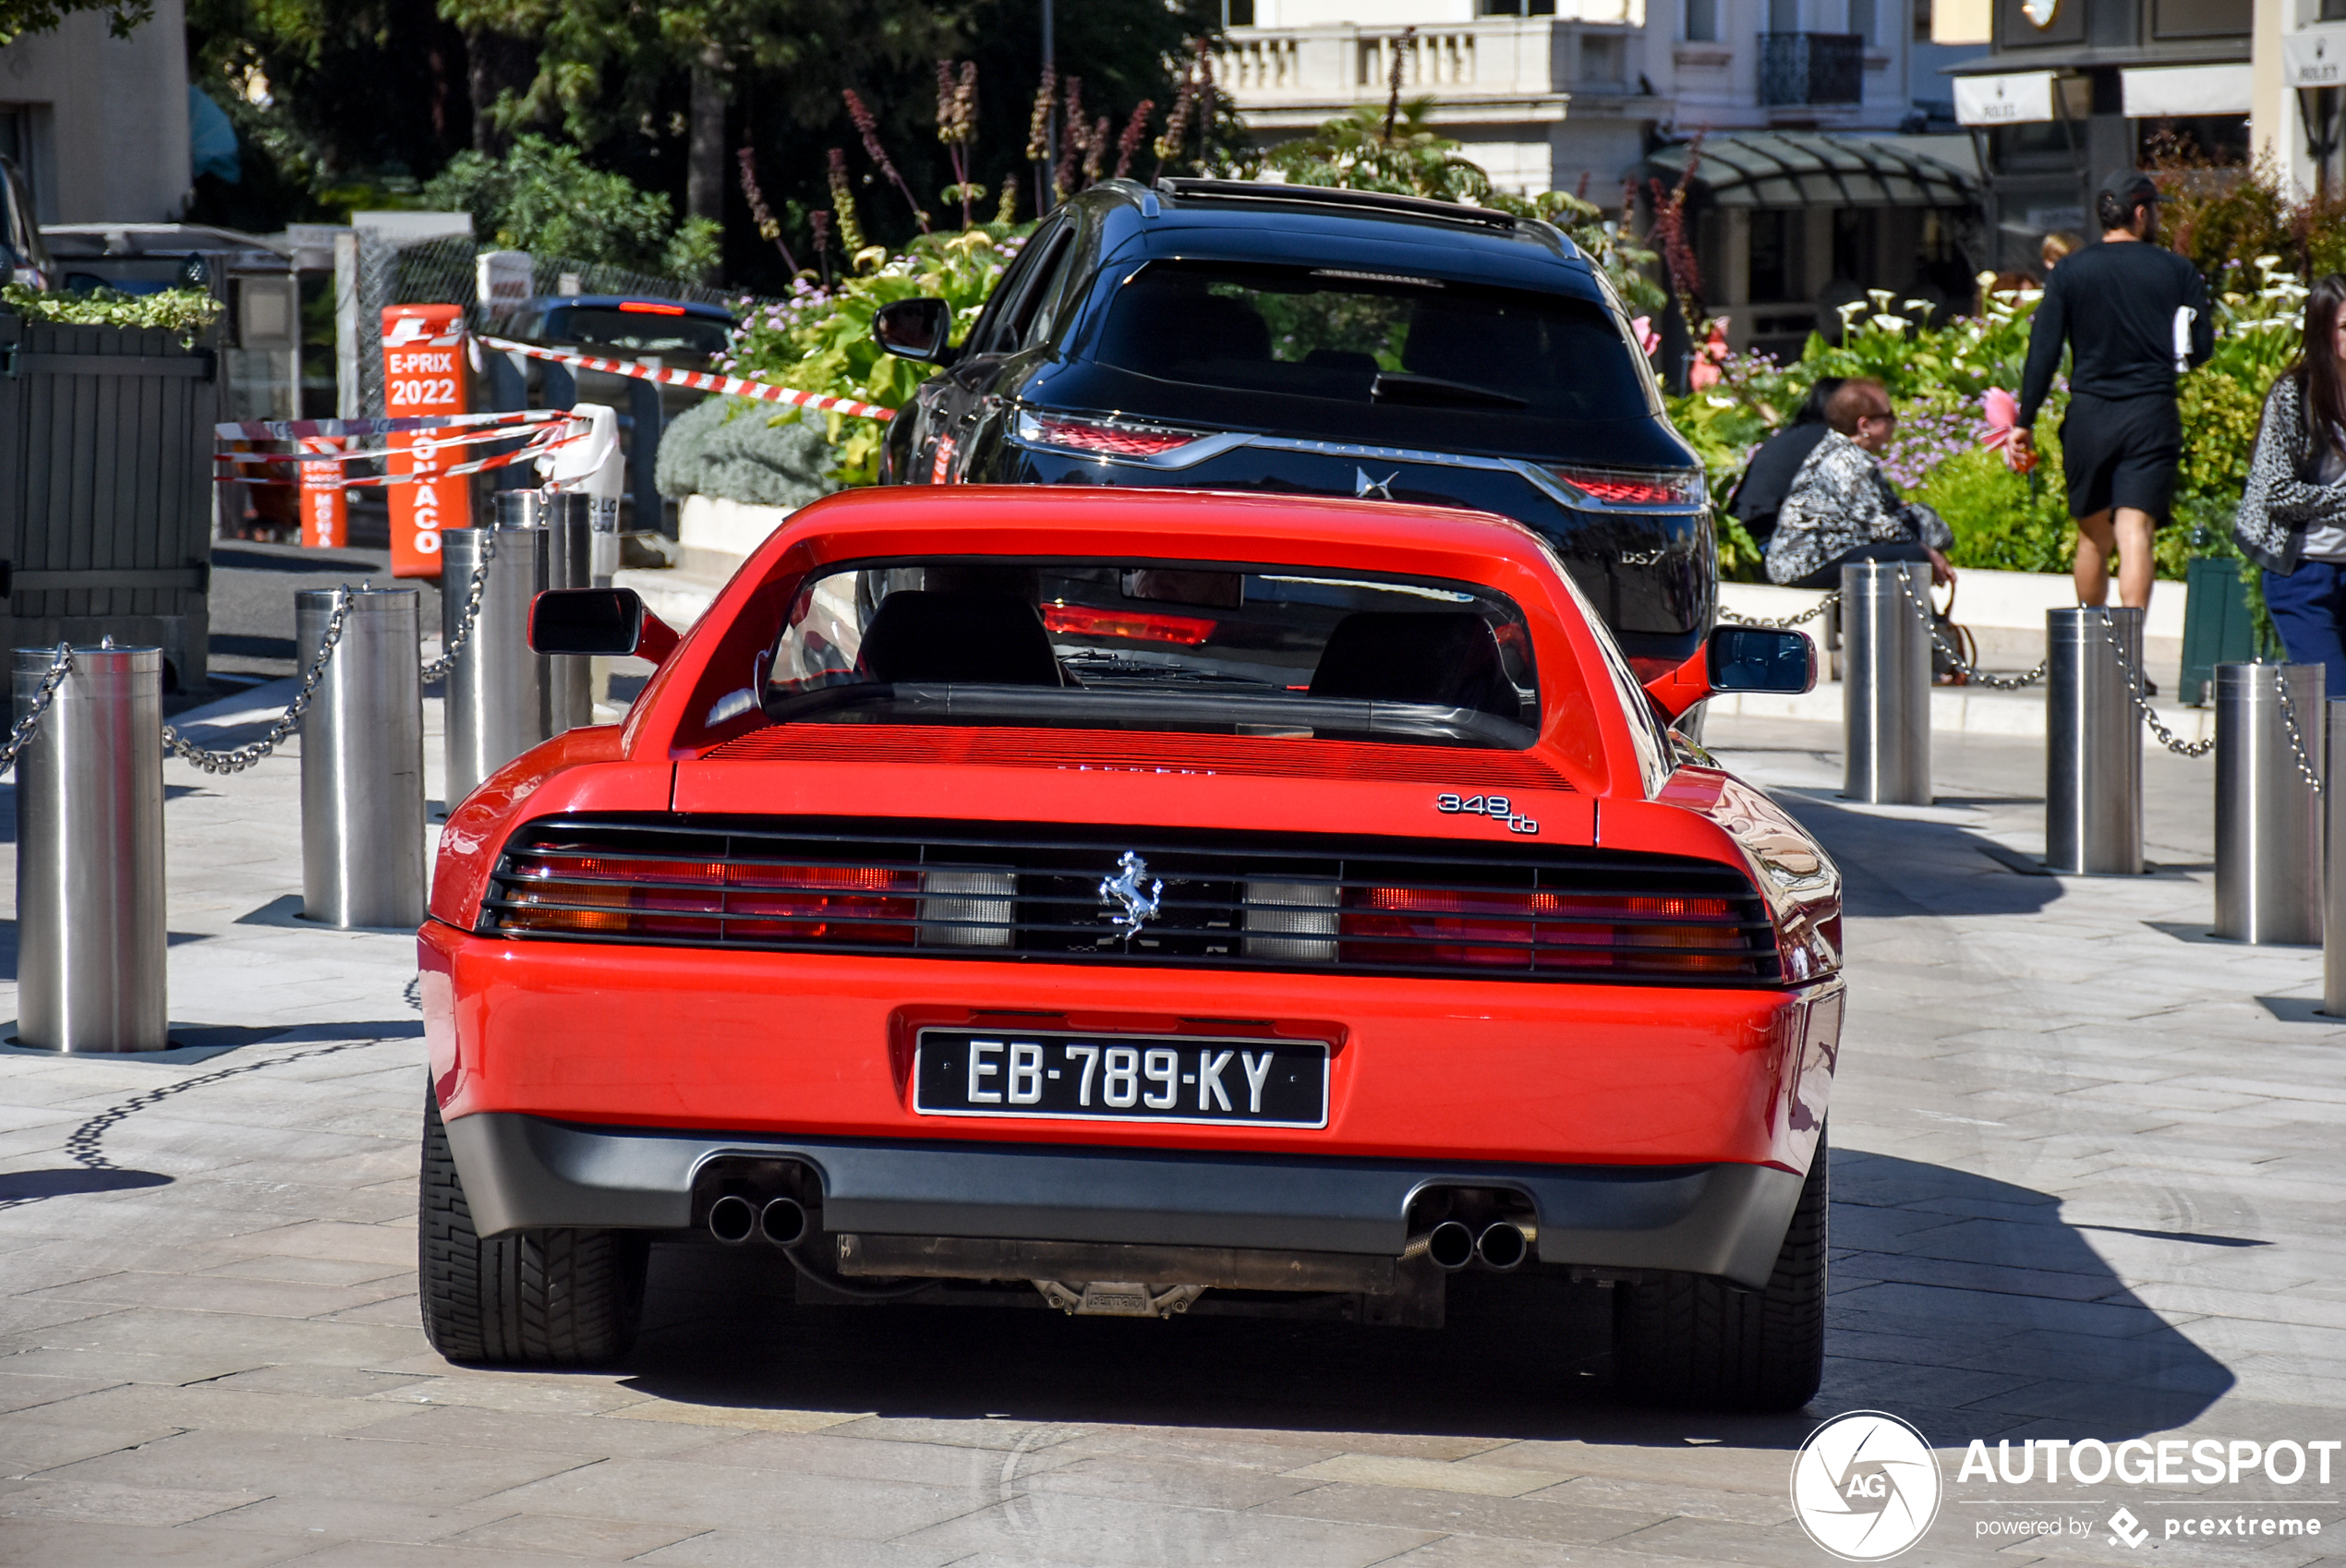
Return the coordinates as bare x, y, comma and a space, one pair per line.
1156, 1078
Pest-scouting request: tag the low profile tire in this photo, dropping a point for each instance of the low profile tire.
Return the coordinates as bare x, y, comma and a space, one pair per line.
1693, 1339
536, 1298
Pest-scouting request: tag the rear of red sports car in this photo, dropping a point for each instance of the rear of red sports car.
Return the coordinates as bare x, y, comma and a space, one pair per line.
1138, 903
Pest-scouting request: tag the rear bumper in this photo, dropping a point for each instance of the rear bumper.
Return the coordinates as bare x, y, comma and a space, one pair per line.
523, 1172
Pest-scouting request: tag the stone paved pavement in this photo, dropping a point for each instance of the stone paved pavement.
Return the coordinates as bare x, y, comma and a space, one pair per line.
2085, 1173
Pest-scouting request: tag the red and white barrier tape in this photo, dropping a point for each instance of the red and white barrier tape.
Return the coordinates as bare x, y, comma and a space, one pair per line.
311, 429
731, 386
543, 431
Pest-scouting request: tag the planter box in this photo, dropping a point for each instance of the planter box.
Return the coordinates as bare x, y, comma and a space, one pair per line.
106, 489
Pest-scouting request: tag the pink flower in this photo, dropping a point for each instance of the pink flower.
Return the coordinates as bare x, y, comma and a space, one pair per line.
1647, 339
2003, 413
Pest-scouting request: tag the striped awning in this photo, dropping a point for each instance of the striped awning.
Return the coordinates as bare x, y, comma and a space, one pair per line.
1806, 169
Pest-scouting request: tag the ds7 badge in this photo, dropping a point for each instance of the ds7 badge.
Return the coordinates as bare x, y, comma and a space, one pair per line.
1497, 807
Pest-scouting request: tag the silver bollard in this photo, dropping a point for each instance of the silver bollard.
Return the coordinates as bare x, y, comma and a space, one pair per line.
362, 760
564, 515
90, 943
2333, 870
2269, 820
1885, 683
497, 686
2094, 746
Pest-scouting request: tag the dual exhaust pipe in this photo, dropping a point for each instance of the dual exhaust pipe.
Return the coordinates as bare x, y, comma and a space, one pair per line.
1501, 1246
734, 1219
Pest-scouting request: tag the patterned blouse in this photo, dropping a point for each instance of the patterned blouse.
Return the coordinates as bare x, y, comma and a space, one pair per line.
2280, 506
1839, 501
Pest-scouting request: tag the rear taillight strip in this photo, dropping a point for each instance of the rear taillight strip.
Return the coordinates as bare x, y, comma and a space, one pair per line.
1228, 900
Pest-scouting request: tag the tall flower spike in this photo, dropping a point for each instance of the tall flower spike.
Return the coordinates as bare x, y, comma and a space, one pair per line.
867, 127
1129, 142
1177, 124
850, 228
768, 227
1095, 150
1071, 141
1039, 125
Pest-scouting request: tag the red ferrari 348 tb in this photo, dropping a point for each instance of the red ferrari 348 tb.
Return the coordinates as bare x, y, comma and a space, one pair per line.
1135, 902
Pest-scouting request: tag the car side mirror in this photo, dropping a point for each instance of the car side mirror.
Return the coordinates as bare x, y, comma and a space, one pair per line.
607, 622
1760, 658
919, 329
1737, 658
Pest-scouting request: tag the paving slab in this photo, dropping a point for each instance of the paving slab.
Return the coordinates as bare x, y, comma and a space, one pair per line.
2086, 1168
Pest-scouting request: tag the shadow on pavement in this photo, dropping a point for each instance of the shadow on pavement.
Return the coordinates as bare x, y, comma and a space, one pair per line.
24, 1186
1970, 1328
1896, 866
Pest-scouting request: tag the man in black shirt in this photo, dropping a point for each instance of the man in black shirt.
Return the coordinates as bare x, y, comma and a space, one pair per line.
2134, 315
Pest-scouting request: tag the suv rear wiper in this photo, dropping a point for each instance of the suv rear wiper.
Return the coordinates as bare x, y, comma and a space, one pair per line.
1418, 721
1392, 386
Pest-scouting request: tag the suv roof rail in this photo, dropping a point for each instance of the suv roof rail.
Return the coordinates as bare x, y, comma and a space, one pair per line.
1316, 195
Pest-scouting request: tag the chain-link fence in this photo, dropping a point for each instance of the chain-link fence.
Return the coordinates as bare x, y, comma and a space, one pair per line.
443, 272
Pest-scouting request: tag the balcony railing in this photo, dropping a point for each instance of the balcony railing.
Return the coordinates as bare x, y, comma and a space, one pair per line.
1811, 67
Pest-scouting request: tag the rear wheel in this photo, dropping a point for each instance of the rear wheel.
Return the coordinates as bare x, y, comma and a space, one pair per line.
1693, 1339
538, 1297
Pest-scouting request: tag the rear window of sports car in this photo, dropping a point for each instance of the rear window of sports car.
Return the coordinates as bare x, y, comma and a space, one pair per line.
1254, 650
1366, 336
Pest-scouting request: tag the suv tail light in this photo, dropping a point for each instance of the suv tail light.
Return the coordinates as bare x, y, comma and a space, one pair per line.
1637, 487
1103, 437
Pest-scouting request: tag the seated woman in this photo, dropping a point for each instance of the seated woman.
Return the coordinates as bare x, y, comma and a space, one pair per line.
1841, 510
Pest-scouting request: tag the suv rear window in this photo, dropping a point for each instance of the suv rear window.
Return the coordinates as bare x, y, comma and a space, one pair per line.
1261, 650
1358, 336
638, 332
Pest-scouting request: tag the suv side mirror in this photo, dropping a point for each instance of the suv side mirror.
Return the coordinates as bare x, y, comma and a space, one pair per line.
1761, 658
919, 329
607, 623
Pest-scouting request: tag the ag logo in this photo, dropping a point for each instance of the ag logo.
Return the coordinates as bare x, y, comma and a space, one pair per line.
1865, 1486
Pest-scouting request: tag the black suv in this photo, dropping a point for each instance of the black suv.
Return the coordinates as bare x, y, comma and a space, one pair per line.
1233, 336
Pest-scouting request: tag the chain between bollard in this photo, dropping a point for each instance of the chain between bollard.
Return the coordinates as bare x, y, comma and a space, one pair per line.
244, 756
437, 669
2165, 736
1953, 655
59, 668
1789, 622
2305, 768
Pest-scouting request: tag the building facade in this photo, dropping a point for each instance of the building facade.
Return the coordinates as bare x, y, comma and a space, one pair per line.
1807, 186
99, 124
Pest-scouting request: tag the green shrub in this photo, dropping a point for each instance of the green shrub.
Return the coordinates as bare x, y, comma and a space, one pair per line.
187, 311
732, 448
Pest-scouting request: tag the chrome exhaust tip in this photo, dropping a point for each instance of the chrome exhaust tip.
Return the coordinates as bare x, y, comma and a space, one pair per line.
1502, 1246
1450, 1246
732, 1219
783, 1222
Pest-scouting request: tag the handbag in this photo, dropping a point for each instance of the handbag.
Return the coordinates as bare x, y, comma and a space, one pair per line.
1951, 667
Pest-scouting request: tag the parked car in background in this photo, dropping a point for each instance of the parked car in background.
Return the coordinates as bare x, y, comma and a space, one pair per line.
1140, 902
1229, 335
679, 334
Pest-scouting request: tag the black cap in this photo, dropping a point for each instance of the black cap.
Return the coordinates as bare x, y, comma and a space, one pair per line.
2131, 187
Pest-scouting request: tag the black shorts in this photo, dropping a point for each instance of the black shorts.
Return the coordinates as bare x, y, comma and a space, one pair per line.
2121, 453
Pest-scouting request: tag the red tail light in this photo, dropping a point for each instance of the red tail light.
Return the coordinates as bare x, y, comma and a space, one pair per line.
1542, 930
646, 307
606, 897
1135, 626
1629, 487
1101, 437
